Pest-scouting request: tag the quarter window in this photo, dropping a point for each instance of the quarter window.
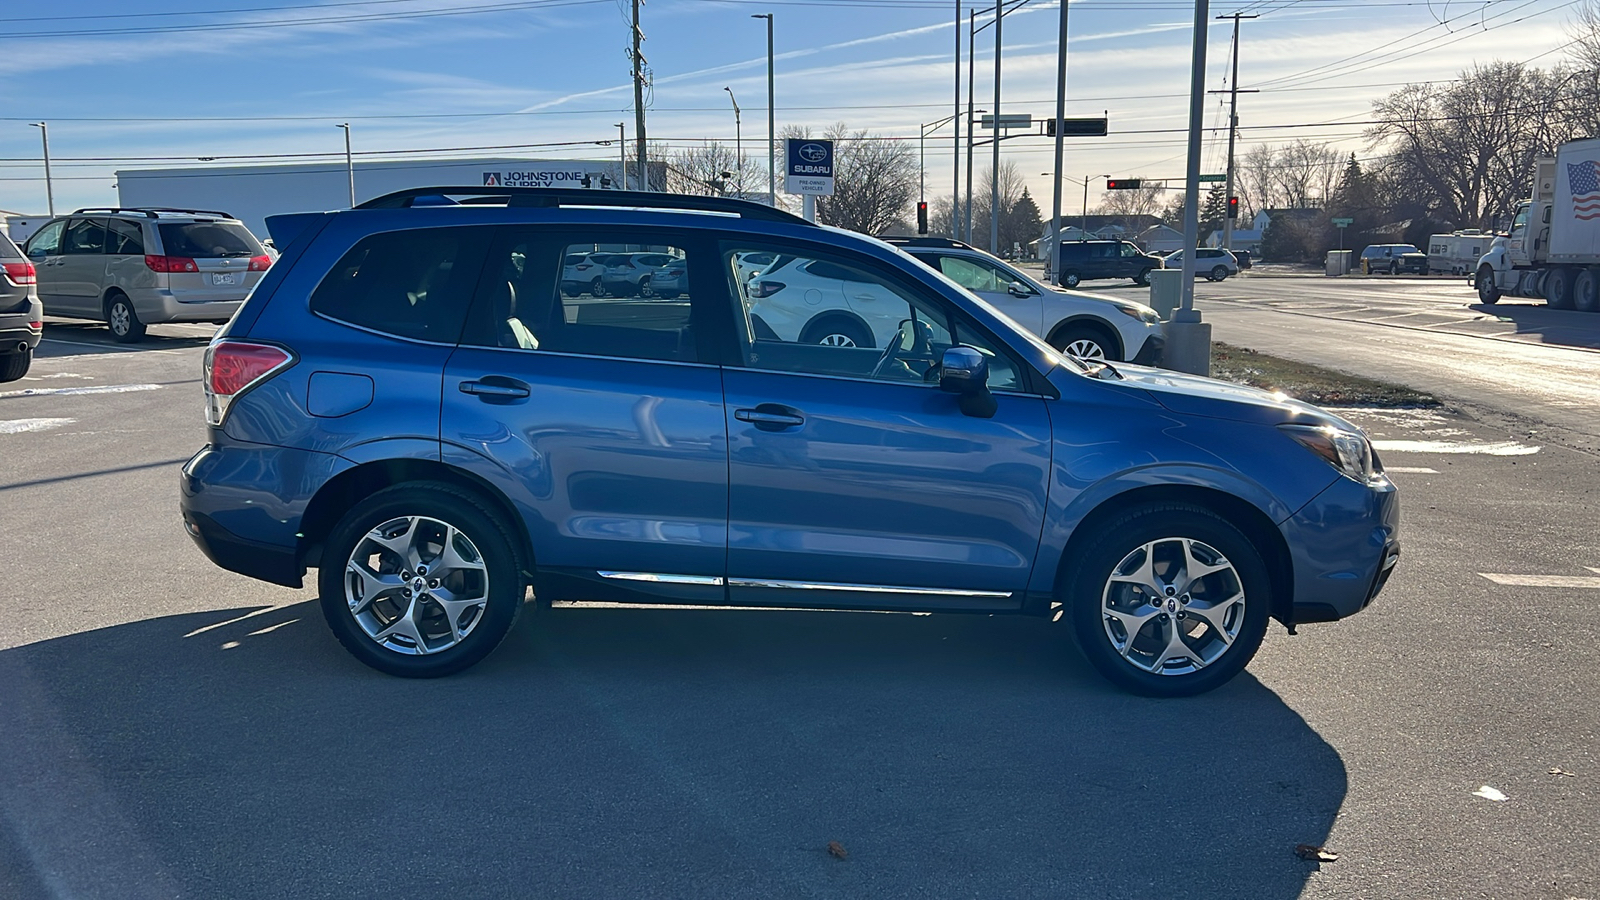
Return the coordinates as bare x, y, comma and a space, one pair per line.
412, 284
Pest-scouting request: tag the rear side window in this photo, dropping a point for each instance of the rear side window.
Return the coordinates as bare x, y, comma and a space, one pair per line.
208, 240
413, 284
125, 238
85, 236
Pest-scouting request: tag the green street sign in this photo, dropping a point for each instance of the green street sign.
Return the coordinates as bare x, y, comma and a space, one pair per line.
1208, 178
1342, 223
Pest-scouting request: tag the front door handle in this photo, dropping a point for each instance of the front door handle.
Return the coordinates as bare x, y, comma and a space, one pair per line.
771, 417
494, 388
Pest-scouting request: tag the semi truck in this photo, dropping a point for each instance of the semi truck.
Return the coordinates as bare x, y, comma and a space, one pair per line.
1553, 247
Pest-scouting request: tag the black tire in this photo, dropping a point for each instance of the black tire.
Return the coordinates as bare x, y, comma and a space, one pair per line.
1068, 335
460, 509
15, 365
1558, 289
1586, 291
1143, 278
1394, 269
1073, 279
1117, 541
1487, 292
831, 328
1218, 273
123, 319
597, 288
645, 290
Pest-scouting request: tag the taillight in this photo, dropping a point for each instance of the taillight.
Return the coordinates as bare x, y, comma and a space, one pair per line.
171, 264
22, 273
765, 289
260, 263
233, 367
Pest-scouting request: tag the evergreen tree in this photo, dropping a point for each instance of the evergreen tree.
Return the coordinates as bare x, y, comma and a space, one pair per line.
1213, 211
1021, 224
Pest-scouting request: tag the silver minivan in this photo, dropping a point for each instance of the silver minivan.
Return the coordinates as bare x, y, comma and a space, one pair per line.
131, 268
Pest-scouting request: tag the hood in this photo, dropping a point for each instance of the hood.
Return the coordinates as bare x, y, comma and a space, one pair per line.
1196, 395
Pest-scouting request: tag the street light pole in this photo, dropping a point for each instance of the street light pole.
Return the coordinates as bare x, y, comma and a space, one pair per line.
972, 37
622, 152
1188, 339
772, 131
1061, 113
994, 165
49, 187
349, 163
738, 141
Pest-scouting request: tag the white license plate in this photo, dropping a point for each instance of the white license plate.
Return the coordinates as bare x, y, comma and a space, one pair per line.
224, 278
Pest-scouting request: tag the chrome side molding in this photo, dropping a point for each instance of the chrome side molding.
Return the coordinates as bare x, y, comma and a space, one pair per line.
864, 588
659, 578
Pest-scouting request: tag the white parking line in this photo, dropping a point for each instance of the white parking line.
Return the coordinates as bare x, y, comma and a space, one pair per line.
93, 389
1550, 581
1496, 448
1410, 470
18, 426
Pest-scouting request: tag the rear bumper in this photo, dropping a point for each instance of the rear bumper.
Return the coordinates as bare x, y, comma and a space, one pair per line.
161, 305
18, 327
1344, 546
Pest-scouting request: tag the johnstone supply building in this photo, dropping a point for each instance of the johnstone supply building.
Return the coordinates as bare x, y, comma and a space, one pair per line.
254, 192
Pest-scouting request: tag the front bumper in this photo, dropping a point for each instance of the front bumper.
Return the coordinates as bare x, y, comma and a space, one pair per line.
1344, 545
1150, 353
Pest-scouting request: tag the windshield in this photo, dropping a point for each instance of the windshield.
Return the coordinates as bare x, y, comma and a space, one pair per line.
202, 240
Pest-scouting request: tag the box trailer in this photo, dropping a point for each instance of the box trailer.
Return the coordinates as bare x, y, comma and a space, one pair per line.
1458, 252
1553, 247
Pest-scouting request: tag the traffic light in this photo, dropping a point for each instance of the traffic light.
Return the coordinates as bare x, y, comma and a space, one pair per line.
922, 217
1089, 127
1121, 184
1233, 207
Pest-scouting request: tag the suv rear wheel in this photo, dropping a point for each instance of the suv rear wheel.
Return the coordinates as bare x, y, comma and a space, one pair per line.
122, 319
1219, 272
1170, 600
1143, 278
420, 580
15, 365
1071, 279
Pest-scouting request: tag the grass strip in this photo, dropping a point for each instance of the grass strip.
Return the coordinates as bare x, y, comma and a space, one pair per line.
1313, 384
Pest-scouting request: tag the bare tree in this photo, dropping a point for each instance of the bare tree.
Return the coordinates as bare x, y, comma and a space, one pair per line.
1145, 200
874, 180
710, 169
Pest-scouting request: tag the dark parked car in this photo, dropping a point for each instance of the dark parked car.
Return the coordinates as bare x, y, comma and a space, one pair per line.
1393, 259
21, 315
1090, 260
409, 404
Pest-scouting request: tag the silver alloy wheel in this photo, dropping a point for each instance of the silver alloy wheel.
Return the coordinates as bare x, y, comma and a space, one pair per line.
416, 585
1173, 606
121, 318
835, 339
1085, 348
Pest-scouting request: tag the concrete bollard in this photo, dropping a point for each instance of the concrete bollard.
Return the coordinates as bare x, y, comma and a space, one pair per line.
1166, 291
1188, 346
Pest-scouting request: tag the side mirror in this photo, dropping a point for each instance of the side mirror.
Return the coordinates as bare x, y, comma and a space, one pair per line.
36, 252
1018, 289
964, 372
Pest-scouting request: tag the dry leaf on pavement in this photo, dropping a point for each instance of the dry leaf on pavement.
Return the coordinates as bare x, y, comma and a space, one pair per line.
1314, 853
836, 850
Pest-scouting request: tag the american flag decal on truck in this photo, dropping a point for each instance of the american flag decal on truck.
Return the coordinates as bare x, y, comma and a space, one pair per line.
1584, 179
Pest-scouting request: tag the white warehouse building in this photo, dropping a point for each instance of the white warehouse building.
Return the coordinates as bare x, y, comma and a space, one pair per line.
254, 192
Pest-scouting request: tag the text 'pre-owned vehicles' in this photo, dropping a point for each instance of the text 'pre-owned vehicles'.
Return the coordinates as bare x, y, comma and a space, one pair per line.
131, 268
1079, 261
1089, 326
409, 404
21, 316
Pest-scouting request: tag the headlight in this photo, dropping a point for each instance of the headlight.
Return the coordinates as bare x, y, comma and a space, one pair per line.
1347, 451
1142, 313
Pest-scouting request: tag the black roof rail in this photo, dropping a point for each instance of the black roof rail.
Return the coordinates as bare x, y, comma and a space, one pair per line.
151, 211
557, 197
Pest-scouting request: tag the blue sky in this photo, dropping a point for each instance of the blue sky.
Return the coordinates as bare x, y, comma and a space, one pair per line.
498, 72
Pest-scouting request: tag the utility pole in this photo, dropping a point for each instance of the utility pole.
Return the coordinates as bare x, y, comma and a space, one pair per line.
772, 129
349, 163
638, 99
972, 38
1061, 113
955, 196
994, 165
622, 152
1233, 123
49, 187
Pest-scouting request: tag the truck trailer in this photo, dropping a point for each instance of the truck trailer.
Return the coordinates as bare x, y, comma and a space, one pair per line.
1553, 248
1458, 252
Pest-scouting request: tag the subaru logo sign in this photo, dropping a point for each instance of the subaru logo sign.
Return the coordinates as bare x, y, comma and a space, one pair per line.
809, 167
813, 152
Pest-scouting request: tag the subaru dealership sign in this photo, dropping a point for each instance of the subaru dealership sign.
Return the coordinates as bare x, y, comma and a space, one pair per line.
809, 168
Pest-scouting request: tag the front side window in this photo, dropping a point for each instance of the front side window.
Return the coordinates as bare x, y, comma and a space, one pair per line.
831, 317
526, 302
47, 242
1129, 251
85, 236
413, 284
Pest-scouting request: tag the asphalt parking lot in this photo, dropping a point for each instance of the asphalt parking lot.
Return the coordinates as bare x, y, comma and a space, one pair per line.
172, 730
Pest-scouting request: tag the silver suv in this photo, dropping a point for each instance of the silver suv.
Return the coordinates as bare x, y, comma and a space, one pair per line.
135, 267
21, 320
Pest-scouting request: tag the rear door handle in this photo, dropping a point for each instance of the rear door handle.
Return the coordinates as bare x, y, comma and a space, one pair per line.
771, 417
495, 388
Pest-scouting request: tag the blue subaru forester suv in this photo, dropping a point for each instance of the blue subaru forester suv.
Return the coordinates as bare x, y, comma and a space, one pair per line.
410, 404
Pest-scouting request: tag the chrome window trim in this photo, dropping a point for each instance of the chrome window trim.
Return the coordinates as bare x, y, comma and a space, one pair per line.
864, 588
856, 378
663, 578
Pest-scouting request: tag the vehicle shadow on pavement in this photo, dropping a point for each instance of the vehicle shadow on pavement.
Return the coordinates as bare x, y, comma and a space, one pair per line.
83, 338
621, 752
1556, 327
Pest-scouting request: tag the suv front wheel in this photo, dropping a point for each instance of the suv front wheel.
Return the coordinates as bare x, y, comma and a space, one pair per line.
420, 580
1169, 600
